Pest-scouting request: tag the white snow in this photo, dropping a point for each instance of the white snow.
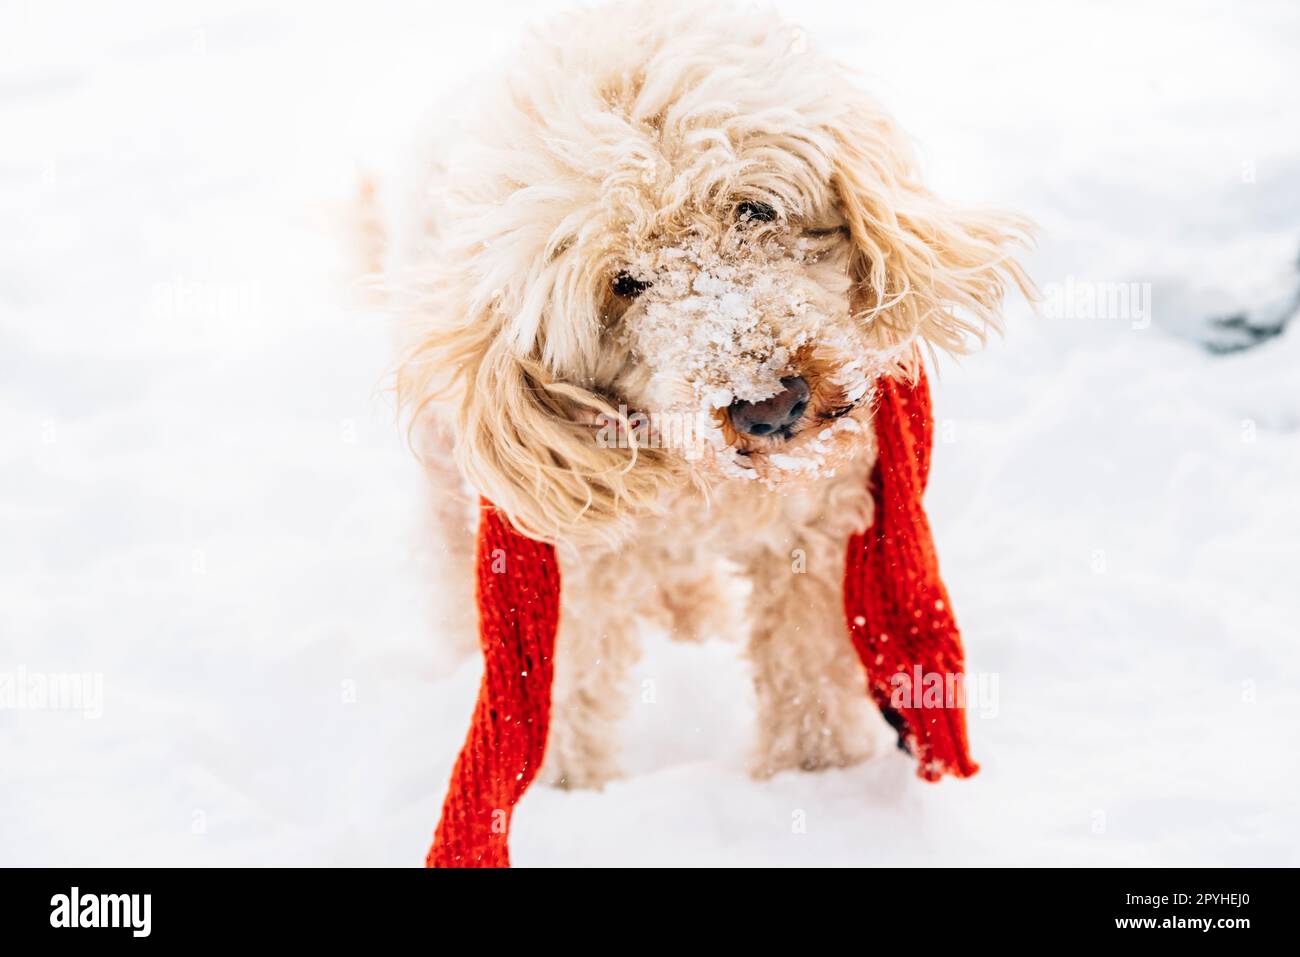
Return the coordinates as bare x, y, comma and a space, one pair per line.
205, 500
706, 322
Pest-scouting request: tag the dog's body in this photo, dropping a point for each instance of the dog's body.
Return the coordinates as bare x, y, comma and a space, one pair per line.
681, 212
747, 562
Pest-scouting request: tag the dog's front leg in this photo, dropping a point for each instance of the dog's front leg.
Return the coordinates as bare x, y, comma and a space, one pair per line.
595, 650
813, 707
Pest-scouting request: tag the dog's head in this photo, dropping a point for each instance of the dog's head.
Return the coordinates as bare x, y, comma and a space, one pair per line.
680, 245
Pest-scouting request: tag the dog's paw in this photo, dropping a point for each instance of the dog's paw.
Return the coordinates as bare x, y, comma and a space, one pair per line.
812, 745
588, 775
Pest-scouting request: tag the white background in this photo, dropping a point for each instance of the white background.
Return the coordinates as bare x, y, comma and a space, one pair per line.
204, 496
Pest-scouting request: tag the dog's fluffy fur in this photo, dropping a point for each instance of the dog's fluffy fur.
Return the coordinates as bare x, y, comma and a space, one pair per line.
666, 209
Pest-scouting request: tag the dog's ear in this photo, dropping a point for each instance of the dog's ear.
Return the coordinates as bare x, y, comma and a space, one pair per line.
924, 271
533, 446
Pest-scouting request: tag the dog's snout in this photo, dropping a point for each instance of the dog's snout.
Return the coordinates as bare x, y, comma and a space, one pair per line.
773, 415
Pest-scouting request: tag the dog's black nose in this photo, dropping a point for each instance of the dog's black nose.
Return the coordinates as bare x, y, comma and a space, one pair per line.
771, 415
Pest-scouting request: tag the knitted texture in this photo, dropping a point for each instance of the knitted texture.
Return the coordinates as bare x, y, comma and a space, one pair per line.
897, 609
518, 607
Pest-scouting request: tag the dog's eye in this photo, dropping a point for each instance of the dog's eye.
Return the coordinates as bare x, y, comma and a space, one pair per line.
750, 211
627, 286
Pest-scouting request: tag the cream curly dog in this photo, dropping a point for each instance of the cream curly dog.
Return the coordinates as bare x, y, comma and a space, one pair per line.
648, 278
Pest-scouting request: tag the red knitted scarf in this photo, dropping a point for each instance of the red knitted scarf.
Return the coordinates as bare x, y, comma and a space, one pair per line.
897, 610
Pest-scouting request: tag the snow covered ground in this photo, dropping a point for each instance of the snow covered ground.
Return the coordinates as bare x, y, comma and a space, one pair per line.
205, 502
